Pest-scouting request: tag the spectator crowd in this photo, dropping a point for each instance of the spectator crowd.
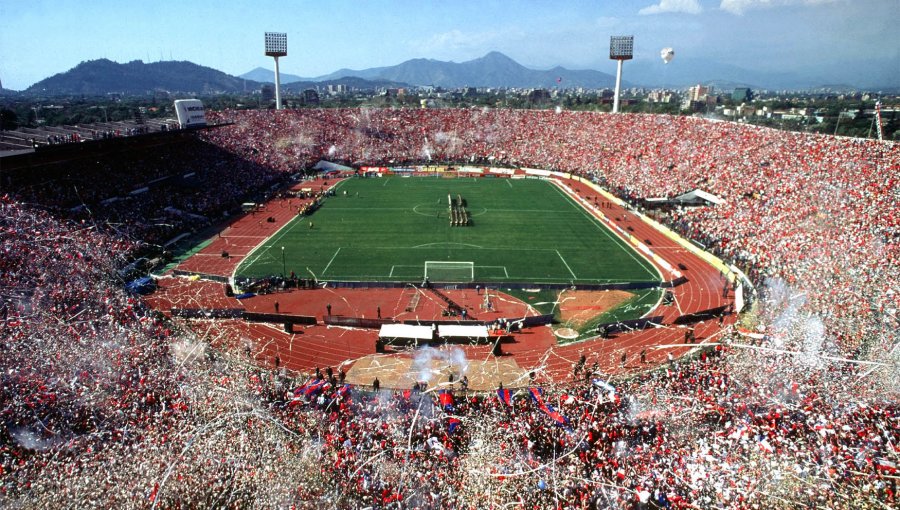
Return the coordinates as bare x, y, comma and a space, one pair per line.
106, 404
820, 213
150, 194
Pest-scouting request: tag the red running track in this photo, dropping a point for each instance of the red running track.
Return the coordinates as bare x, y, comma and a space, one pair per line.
703, 290
247, 232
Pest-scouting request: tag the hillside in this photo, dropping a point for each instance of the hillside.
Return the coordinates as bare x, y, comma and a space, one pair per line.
492, 70
263, 75
101, 77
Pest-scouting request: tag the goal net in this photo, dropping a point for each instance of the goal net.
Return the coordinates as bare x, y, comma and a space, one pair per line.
449, 271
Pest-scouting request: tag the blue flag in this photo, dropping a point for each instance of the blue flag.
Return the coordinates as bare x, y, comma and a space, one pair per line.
537, 396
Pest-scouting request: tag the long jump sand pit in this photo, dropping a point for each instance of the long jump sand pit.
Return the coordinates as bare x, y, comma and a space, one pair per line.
401, 371
577, 307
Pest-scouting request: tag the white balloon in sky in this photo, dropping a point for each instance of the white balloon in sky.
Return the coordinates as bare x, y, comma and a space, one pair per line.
667, 54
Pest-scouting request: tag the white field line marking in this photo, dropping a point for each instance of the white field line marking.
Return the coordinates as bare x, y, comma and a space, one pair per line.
426, 245
567, 265
495, 267
658, 302
332, 260
274, 238
623, 244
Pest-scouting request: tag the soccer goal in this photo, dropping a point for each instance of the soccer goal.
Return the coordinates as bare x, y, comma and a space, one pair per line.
449, 271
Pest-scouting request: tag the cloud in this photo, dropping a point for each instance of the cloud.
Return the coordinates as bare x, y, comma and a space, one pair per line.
454, 38
741, 6
456, 41
686, 6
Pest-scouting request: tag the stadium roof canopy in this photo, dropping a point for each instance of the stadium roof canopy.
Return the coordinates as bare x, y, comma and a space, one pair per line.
457, 331
405, 331
698, 196
695, 197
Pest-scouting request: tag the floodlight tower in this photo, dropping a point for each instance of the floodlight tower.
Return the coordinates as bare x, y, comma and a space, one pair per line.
276, 46
878, 119
621, 48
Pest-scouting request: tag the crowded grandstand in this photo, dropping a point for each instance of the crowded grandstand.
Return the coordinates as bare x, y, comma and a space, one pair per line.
110, 402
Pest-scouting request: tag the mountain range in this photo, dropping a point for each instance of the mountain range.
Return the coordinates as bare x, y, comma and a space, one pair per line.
101, 77
353, 82
495, 70
492, 70
268, 76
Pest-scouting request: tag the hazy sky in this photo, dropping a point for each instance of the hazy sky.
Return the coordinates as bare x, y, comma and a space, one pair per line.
39, 38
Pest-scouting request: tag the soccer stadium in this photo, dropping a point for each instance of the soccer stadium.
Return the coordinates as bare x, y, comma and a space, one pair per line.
451, 308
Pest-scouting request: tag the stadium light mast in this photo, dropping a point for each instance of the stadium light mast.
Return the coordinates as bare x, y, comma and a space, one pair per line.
878, 119
621, 48
276, 46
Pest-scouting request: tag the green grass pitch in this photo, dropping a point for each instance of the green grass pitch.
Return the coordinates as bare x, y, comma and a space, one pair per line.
384, 229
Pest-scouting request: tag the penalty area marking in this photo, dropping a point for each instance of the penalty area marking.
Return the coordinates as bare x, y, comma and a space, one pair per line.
428, 245
505, 272
391, 274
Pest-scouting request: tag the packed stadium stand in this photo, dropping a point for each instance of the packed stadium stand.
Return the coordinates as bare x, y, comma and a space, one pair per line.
108, 404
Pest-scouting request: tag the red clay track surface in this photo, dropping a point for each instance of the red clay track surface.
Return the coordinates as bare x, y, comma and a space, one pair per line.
247, 232
533, 349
